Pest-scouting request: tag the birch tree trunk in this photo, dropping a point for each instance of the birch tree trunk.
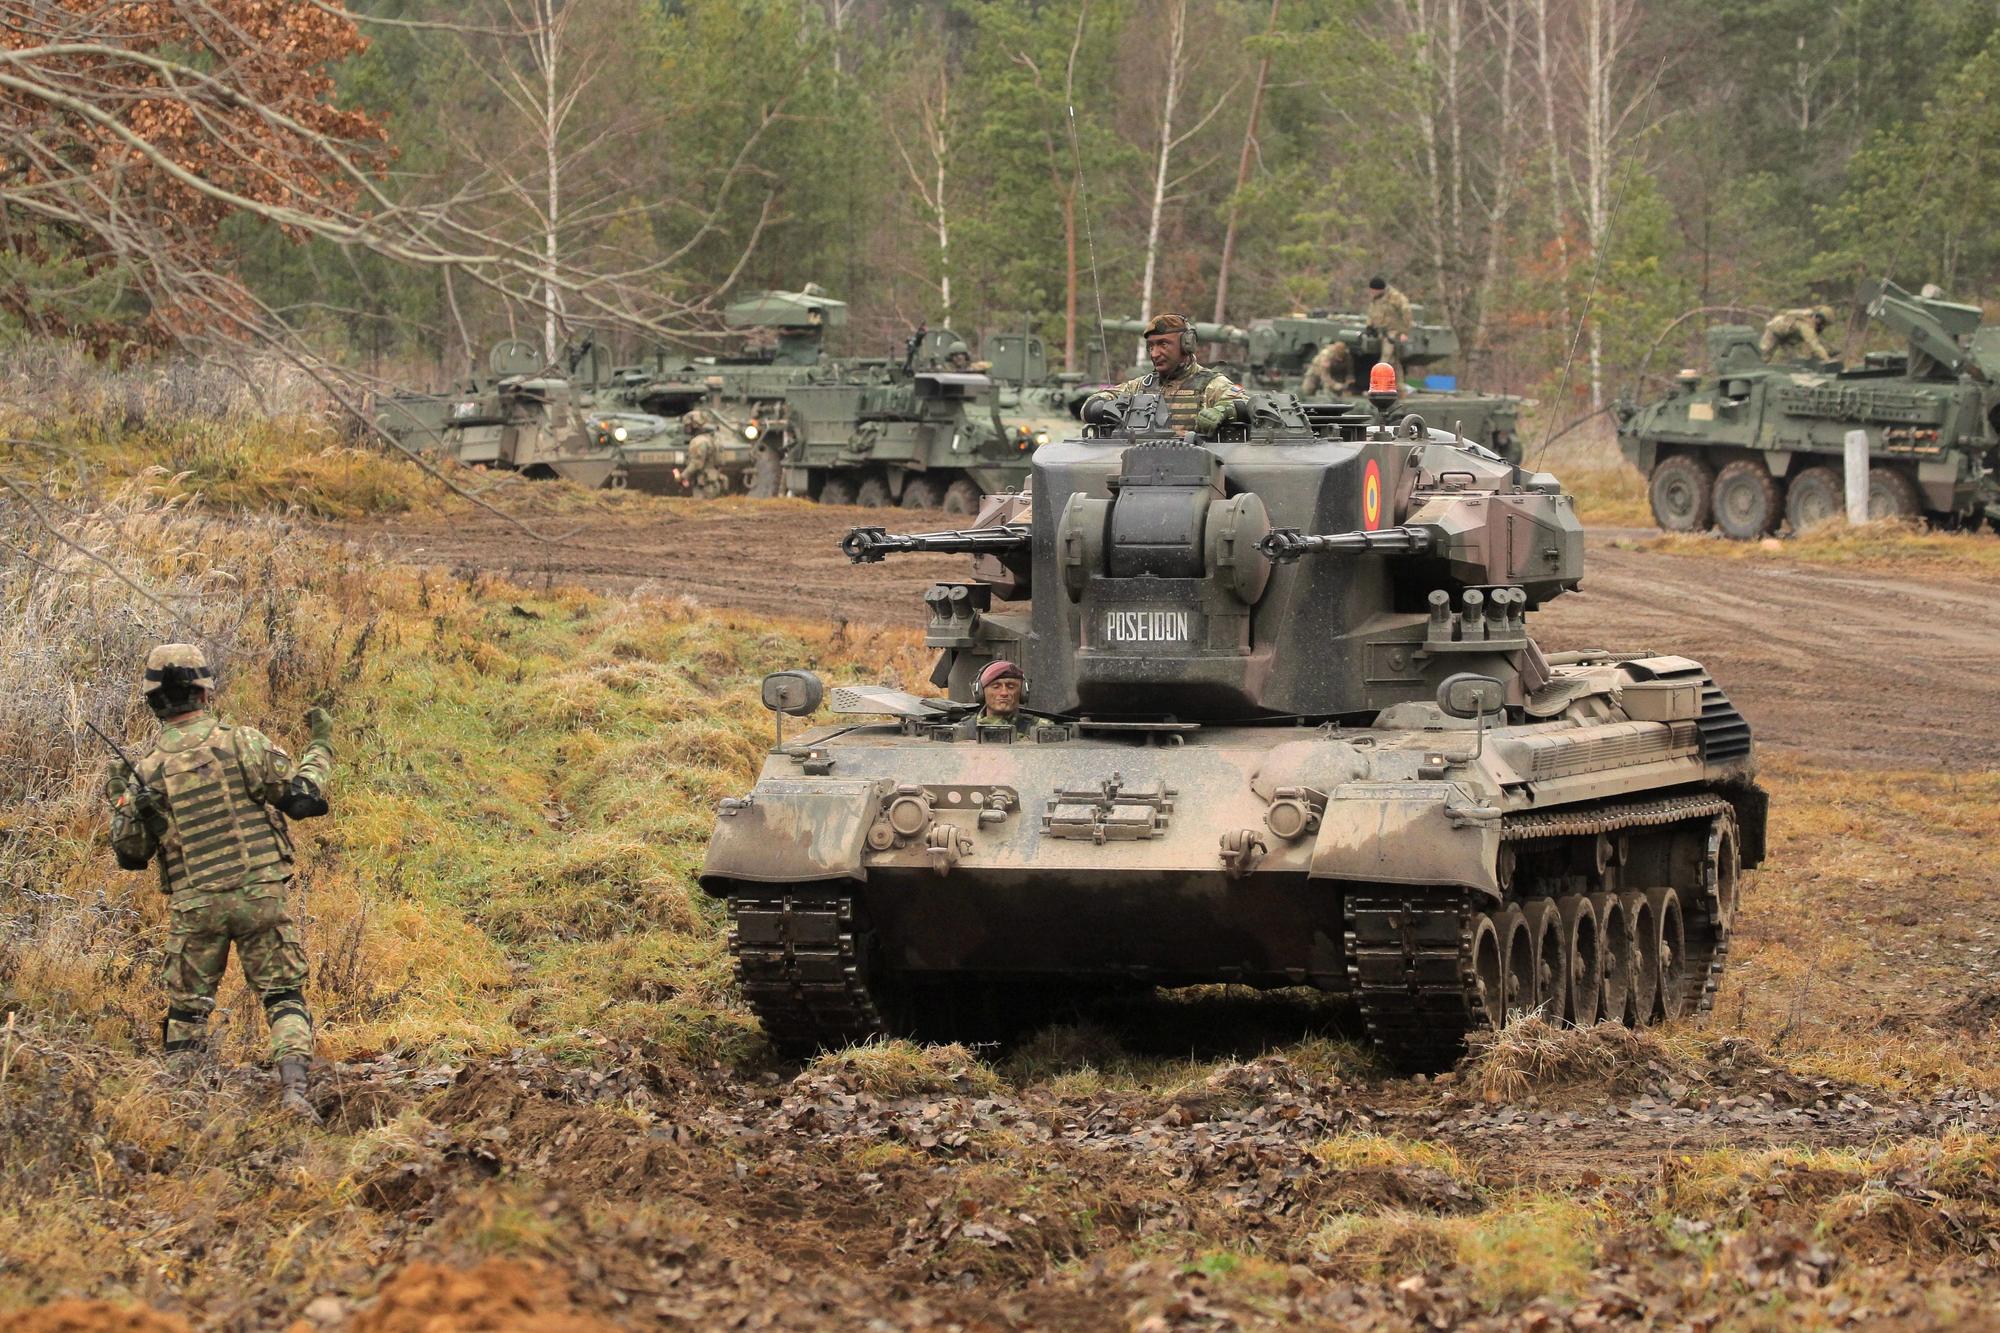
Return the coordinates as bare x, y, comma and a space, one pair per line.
1243, 167
930, 179
545, 45
1546, 76
1176, 45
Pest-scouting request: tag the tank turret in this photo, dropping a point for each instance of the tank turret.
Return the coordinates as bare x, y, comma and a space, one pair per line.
1259, 707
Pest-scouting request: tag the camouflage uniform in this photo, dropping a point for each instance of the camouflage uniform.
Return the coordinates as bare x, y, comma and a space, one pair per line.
1389, 311
1327, 373
1195, 394
212, 821
703, 477
1791, 336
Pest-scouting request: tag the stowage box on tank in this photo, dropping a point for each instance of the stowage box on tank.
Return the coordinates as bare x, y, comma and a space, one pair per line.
1296, 733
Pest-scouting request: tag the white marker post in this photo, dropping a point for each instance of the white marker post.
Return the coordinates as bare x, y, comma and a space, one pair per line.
1857, 476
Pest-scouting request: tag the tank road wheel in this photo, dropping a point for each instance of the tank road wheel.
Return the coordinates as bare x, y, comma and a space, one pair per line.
921, 493
1551, 970
873, 493
1489, 973
837, 491
1614, 934
1748, 500
1817, 495
1891, 494
1583, 955
1670, 948
1645, 954
1679, 493
1517, 944
962, 497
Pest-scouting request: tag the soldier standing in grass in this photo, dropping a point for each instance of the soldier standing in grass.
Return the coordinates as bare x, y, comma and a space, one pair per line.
209, 803
1793, 335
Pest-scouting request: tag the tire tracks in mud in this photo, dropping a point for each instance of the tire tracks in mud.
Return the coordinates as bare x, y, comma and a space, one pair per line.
1848, 667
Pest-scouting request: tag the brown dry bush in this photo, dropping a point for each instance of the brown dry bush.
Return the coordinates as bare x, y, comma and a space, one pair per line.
1533, 1056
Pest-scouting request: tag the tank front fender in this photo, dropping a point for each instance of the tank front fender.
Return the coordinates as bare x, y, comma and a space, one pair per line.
792, 831
1407, 833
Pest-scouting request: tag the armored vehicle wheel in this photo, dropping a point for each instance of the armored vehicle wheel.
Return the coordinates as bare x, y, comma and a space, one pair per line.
962, 497
1551, 965
921, 493
1891, 494
1583, 956
1644, 992
1518, 949
836, 491
873, 493
1815, 496
1669, 952
1616, 939
1679, 493
1748, 500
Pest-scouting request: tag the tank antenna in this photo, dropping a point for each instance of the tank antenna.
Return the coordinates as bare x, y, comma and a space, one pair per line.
1089, 242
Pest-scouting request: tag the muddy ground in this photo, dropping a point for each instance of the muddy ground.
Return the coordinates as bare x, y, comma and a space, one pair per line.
1231, 1161
1848, 668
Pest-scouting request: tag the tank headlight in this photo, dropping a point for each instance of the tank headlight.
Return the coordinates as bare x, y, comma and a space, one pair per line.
750, 431
1041, 437
618, 433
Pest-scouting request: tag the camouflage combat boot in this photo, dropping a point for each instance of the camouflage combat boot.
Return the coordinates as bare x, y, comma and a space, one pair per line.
292, 1091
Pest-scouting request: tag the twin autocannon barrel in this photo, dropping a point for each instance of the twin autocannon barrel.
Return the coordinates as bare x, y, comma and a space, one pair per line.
868, 545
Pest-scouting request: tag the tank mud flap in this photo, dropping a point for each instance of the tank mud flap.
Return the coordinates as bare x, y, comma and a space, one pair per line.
1407, 833
792, 832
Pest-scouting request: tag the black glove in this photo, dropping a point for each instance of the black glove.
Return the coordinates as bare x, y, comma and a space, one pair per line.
1102, 410
302, 800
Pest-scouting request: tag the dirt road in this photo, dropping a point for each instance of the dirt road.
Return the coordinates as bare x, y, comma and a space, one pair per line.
1850, 668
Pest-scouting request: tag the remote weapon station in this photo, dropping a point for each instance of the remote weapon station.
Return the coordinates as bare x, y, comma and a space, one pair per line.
1290, 730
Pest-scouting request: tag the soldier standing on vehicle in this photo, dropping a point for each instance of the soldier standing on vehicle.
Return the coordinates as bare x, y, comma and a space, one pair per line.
1793, 335
1198, 398
1390, 316
1327, 372
701, 474
208, 803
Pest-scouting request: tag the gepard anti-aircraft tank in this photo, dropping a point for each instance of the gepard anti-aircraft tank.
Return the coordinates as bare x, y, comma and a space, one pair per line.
1299, 736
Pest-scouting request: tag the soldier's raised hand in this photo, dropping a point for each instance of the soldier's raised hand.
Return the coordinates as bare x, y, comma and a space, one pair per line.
321, 723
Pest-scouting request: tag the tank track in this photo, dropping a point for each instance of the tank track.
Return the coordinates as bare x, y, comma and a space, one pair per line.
1410, 951
801, 963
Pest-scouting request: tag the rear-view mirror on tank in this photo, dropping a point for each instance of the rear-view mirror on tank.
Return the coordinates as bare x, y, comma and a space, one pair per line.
795, 692
1467, 695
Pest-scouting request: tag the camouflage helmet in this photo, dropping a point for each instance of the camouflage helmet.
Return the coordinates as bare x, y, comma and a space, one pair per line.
175, 669
1823, 313
1171, 323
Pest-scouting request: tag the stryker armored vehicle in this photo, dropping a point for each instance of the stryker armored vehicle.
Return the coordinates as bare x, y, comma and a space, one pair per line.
1297, 734
523, 418
1273, 354
1749, 445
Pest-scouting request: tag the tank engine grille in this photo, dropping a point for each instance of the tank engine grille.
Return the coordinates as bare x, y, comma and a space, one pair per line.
1724, 733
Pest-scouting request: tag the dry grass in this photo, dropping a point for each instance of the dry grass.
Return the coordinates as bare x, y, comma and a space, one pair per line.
1534, 1056
1892, 545
906, 1069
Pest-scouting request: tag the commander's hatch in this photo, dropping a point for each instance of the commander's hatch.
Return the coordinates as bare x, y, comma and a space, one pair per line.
881, 701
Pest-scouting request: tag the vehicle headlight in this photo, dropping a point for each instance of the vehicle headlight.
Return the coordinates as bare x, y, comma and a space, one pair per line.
1041, 438
618, 433
750, 431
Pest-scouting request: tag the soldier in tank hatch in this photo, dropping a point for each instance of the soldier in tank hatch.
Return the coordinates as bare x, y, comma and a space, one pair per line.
1001, 687
1197, 398
1793, 335
209, 803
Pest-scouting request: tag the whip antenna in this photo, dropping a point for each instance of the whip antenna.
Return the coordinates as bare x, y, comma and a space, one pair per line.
1089, 242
